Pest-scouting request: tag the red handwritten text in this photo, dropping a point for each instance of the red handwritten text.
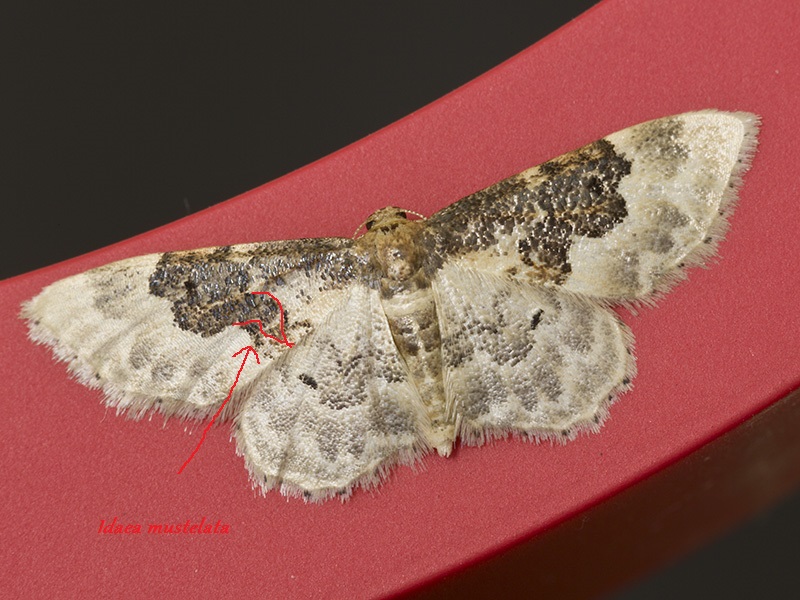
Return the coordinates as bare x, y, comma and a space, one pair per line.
204, 526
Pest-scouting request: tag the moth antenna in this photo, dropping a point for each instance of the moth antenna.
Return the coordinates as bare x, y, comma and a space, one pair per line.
415, 213
360, 227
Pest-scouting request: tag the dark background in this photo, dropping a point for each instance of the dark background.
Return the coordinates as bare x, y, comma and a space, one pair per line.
117, 119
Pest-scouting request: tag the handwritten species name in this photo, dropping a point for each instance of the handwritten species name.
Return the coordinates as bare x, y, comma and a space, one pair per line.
204, 526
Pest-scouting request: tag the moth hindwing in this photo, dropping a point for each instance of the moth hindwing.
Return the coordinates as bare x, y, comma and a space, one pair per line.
488, 319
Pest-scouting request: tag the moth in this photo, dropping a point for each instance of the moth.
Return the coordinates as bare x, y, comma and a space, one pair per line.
488, 319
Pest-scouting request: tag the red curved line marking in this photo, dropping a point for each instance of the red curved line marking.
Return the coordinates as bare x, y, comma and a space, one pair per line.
282, 340
247, 349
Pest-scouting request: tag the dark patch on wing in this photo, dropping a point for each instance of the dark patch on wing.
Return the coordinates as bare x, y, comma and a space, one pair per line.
626, 273
579, 332
338, 399
658, 235
139, 355
332, 439
308, 380
479, 396
575, 195
536, 318
163, 371
657, 145
328, 442
345, 388
466, 225
113, 286
210, 289
504, 339
388, 417
579, 198
546, 383
456, 349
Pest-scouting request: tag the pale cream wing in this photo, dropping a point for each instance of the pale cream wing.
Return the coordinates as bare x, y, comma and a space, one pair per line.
157, 331
527, 360
618, 219
335, 412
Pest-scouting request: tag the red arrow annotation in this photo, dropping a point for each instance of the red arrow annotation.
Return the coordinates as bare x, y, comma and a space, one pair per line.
247, 350
282, 340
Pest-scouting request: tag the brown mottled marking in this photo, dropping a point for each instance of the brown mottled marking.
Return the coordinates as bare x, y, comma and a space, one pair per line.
541, 210
211, 289
659, 142
489, 318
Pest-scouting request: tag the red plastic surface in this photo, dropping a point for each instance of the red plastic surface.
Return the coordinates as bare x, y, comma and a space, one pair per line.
718, 349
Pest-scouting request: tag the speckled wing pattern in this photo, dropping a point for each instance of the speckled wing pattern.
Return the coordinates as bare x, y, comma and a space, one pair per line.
526, 359
155, 331
490, 318
342, 407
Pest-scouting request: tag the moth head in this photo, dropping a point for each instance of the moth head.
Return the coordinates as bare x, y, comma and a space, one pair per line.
387, 219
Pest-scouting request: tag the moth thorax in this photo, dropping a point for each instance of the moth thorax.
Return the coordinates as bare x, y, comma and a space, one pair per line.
398, 261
